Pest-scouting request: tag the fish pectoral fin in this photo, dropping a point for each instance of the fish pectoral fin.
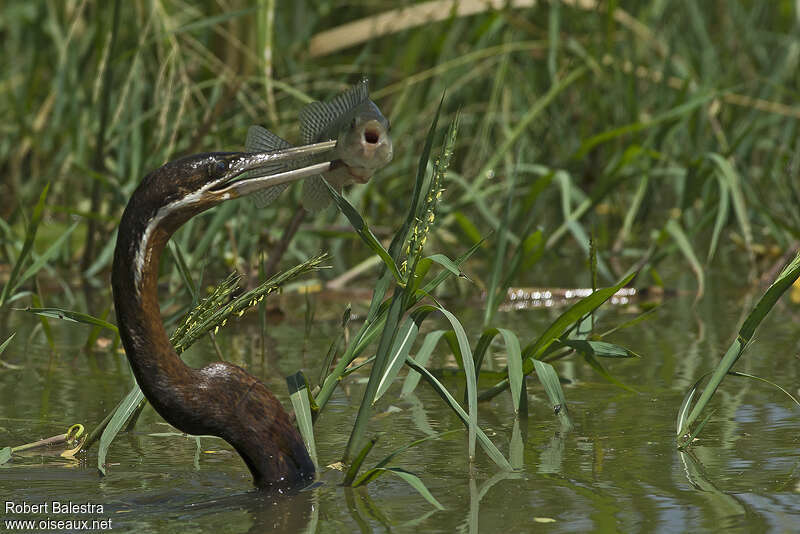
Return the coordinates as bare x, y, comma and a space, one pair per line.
262, 140
315, 194
317, 116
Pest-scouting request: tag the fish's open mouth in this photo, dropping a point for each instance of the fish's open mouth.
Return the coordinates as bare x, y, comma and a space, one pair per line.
372, 136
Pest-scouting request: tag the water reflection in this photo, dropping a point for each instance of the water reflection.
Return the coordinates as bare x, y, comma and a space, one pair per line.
616, 470
294, 513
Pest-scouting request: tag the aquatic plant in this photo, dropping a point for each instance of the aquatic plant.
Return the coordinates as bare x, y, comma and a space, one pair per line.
689, 412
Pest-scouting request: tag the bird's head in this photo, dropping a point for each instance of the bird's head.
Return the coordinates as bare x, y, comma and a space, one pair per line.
180, 189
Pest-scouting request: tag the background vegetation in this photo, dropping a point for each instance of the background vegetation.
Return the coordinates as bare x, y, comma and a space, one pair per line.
667, 124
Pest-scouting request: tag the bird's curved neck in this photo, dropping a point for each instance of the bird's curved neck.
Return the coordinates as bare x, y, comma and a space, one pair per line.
157, 367
220, 399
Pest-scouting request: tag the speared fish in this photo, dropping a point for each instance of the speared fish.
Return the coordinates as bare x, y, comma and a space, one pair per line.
363, 145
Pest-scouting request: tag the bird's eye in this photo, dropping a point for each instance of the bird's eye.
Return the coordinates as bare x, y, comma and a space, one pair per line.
388, 126
353, 123
220, 166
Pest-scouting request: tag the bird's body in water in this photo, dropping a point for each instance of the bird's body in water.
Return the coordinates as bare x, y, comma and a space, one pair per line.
220, 399
363, 144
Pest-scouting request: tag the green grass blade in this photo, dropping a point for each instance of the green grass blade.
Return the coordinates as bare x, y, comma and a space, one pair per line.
447, 263
783, 282
410, 478
721, 218
553, 38
603, 349
598, 367
104, 257
733, 182
674, 229
766, 381
487, 445
482, 347
515, 374
118, 421
51, 251
388, 335
428, 288
27, 246
516, 446
674, 113
76, 317
470, 377
422, 357
397, 452
364, 232
686, 403
644, 316
94, 333
689, 438
400, 237
632, 210
298, 393
376, 317
352, 471
581, 308
533, 351
6, 342
183, 269
552, 387
402, 346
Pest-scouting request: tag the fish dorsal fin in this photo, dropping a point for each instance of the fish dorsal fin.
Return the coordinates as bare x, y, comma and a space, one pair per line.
317, 116
262, 140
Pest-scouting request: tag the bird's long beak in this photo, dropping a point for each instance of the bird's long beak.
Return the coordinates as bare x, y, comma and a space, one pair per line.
245, 162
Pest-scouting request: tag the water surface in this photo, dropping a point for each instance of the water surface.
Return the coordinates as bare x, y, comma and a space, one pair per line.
616, 470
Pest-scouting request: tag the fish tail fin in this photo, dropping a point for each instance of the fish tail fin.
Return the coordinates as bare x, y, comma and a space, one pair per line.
262, 140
